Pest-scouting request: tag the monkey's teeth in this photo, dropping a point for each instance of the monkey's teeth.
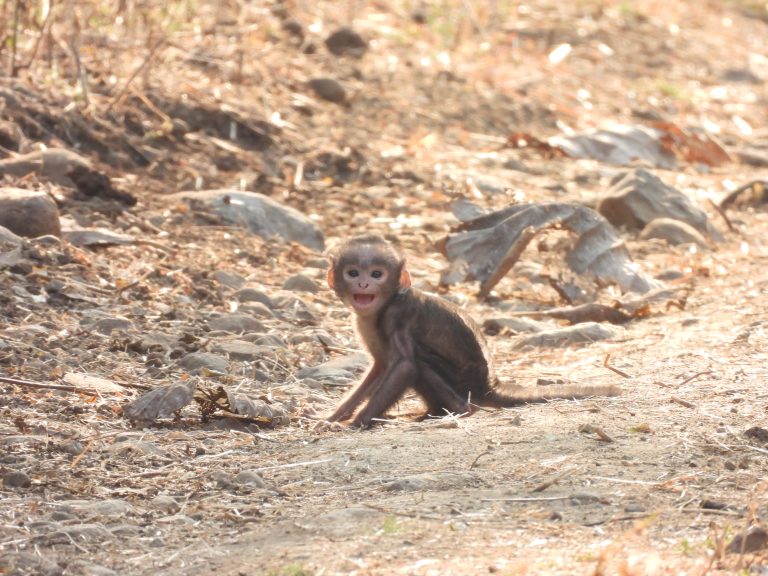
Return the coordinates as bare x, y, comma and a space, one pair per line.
363, 299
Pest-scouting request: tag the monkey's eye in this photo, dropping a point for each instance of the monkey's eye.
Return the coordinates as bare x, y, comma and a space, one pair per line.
377, 274
353, 273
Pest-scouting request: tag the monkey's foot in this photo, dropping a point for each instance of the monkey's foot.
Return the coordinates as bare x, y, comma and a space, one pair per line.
327, 426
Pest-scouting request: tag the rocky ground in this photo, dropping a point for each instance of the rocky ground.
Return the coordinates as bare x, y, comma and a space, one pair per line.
168, 346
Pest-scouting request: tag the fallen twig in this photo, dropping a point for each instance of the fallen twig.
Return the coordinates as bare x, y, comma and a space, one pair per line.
702, 373
685, 403
723, 215
613, 368
119, 96
592, 429
62, 387
404, 514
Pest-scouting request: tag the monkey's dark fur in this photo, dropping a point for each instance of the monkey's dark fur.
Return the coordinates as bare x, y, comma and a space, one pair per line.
418, 341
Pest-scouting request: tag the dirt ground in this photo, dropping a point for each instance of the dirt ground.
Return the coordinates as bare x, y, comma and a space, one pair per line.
659, 480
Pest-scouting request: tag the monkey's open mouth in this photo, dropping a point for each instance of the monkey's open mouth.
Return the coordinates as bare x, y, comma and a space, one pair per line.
363, 299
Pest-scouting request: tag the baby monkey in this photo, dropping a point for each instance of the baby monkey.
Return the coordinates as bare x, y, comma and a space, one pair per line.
417, 341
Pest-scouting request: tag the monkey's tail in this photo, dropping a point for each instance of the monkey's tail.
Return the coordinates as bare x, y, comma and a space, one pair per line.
517, 397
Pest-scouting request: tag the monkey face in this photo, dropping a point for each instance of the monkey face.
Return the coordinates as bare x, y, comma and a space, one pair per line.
368, 288
366, 273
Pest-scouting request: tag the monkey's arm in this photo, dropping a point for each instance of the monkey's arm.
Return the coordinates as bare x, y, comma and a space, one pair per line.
357, 395
400, 374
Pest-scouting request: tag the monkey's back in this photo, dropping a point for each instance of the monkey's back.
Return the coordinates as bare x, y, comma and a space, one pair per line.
444, 337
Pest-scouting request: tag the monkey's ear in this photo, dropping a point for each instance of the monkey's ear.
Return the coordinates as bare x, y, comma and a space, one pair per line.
405, 279
329, 277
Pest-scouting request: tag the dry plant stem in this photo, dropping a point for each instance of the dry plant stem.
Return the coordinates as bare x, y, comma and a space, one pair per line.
551, 482
529, 499
471, 466
723, 215
404, 514
82, 74
732, 196
120, 95
613, 519
682, 402
14, 40
149, 104
474, 19
62, 387
45, 30
613, 369
512, 256
690, 378
599, 432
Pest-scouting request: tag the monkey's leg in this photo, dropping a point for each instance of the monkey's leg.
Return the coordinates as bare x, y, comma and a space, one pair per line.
357, 395
440, 396
396, 380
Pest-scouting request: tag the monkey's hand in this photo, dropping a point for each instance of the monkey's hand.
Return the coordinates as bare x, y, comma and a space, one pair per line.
326, 426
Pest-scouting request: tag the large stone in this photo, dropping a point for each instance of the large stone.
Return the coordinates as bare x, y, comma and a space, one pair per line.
640, 197
29, 213
9, 237
53, 164
257, 213
197, 361
236, 323
343, 367
585, 333
328, 89
673, 231
346, 42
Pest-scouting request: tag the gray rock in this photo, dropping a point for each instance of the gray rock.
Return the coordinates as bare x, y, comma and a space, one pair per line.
257, 309
241, 350
753, 157
85, 568
222, 479
585, 333
84, 533
743, 75
753, 539
72, 447
269, 340
432, 481
133, 448
514, 325
236, 323
328, 89
250, 294
155, 342
166, 504
112, 507
673, 231
52, 164
344, 367
301, 283
16, 479
29, 213
640, 197
23, 563
229, 279
250, 478
257, 213
97, 237
294, 308
346, 42
115, 324
8, 236
196, 361
162, 402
